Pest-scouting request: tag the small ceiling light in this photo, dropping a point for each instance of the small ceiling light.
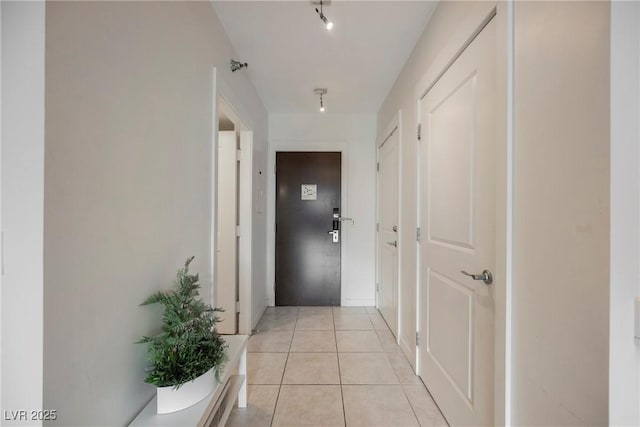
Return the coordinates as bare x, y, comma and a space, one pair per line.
327, 23
321, 92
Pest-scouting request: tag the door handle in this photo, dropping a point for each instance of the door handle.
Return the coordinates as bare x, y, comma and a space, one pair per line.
394, 244
486, 276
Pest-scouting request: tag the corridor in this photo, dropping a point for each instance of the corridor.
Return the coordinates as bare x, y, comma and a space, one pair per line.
311, 366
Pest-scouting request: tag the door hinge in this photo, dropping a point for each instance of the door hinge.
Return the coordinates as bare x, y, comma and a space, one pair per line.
275, 228
378, 166
377, 227
238, 155
417, 339
377, 287
419, 131
237, 306
237, 231
418, 234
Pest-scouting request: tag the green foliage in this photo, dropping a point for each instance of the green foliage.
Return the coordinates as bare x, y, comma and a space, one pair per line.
189, 344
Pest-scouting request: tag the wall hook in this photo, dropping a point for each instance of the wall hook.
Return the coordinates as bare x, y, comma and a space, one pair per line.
237, 65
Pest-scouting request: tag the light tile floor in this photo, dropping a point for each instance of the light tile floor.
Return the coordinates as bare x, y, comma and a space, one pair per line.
324, 366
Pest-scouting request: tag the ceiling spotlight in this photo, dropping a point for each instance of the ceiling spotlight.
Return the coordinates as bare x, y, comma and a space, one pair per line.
321, 92
327, 23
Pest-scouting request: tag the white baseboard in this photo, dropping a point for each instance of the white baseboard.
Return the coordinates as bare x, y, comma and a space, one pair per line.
406, 349
257, 317
359, 302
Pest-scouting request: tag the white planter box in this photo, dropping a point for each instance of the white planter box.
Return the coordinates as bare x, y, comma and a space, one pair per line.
204, 411
171, 400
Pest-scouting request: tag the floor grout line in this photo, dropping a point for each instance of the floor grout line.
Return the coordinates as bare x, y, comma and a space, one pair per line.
406, 396
337, 352
335, 336
275, 407
273, 414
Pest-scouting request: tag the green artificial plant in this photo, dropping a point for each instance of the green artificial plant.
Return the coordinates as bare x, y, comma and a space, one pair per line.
188, 345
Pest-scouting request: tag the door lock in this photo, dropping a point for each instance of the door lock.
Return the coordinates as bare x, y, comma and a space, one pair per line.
335, 232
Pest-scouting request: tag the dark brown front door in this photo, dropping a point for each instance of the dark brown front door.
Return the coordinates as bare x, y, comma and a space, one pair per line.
307, 204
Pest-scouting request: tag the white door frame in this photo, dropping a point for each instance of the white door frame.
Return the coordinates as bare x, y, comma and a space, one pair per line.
502, 12
394, 125
23, 150
1, 232
302, 146
246, 231
223, 105
624, 350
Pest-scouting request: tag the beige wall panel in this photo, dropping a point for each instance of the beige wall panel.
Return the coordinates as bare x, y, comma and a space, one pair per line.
128, 186
561, 214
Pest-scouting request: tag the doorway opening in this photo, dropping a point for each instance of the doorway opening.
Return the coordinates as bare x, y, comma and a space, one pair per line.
387, 228
278, 146
308, 228
232, 224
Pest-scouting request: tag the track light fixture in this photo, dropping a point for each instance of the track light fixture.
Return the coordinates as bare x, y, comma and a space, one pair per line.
328, 24
321, 92
237, 65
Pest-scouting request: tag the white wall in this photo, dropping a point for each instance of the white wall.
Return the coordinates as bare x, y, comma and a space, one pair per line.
259, 299
445, 22
561, 214
23, 55
129, 131
561, 250
358, 133
624, 350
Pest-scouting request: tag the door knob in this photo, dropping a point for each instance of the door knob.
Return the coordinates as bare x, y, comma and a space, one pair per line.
394, 244
486, 276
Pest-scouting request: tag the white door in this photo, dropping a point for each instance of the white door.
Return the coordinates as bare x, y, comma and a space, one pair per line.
227, 241
458, 222
388, 194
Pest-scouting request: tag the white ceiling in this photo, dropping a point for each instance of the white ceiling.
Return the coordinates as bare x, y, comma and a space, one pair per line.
290, 52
